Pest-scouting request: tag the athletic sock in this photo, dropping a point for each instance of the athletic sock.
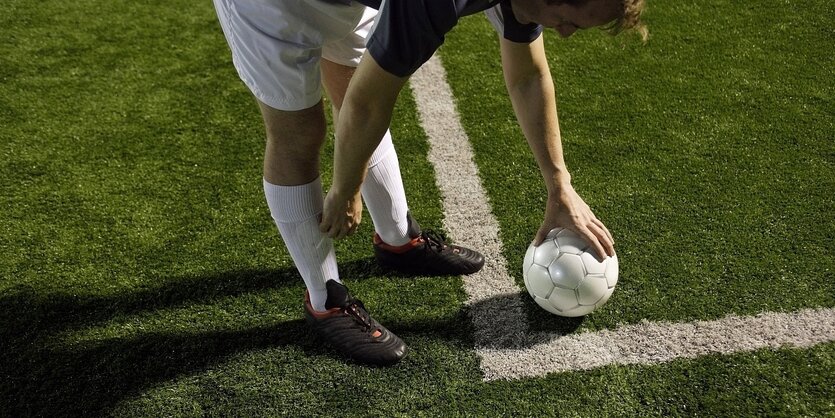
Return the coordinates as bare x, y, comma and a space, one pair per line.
295, 210
384, 195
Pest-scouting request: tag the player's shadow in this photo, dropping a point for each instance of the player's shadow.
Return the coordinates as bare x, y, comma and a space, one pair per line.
42, 376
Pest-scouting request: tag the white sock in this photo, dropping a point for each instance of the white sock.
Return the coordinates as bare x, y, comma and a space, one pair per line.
384, 196
295, 210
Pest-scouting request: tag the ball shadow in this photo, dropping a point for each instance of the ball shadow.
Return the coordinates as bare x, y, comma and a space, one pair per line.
505, 322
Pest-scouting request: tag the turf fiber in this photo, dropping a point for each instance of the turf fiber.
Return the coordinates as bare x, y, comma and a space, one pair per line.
142, 276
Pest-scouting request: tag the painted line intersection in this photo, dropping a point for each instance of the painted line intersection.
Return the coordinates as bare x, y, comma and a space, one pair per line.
503, 342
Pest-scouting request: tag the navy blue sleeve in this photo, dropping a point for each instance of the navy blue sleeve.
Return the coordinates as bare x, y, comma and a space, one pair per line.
505, 23
515, 31
408, 32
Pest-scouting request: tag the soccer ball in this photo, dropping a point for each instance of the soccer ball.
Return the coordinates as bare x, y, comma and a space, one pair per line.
564, 277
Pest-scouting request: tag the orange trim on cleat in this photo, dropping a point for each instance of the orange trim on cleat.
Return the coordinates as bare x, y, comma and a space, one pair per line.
319, 314
415, 242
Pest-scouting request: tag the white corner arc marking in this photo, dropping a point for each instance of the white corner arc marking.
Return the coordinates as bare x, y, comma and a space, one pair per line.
503, 342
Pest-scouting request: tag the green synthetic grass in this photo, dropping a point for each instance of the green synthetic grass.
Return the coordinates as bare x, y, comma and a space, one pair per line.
141, 274
708, 152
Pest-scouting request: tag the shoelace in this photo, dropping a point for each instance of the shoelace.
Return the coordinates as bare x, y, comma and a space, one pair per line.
357, 310
434, 240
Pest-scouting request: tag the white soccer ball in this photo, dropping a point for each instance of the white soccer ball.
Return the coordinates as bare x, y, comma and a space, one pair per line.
564, 277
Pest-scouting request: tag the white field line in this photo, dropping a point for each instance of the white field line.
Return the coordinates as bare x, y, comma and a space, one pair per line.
503, 342
656, 342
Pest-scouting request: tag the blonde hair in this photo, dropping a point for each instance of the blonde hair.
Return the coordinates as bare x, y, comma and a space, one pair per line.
630, 20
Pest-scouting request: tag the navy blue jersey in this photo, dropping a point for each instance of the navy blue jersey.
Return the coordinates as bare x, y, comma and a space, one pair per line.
408, 32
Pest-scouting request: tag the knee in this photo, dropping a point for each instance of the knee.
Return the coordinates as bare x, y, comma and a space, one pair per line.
298, 145
294, 140
296, 135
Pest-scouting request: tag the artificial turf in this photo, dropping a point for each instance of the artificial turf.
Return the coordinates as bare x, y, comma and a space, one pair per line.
708, 152
142, 276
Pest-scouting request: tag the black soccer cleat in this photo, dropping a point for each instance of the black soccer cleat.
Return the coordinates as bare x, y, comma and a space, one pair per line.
348, 327
427, 254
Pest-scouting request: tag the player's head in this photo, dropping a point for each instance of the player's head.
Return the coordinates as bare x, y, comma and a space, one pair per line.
567, 16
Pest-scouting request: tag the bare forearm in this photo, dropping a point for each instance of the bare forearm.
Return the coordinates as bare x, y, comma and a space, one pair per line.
535, 106
365, 116
531, 89
358, 133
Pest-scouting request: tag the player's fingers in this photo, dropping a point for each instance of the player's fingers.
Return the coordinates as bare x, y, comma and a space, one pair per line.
333, 232
541, 234
324, 223
355, 224
347, 228
592, 239
341, 232
600, 224
604, 239
334, 229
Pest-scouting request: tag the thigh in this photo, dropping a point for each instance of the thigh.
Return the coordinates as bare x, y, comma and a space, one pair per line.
335, 78
277, 45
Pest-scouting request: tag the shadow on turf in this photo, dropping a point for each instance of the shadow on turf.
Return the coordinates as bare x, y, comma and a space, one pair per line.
542, 327
41, 377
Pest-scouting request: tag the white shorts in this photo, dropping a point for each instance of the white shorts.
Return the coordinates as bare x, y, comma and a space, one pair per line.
277, 45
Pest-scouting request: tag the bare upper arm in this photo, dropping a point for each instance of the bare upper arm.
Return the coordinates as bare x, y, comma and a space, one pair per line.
521, 61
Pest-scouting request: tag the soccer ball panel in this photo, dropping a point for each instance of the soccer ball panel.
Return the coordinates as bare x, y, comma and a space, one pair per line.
552, 234
612, 271
592, 265
563, 299
592, 290
606, 297
567, 271
526, 264
546, 304
545, 253
563, 275
570, 242
538, 281
578, 311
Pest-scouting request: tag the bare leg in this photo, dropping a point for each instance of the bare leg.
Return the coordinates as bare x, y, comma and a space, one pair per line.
294, 140
294, 193
335, 78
